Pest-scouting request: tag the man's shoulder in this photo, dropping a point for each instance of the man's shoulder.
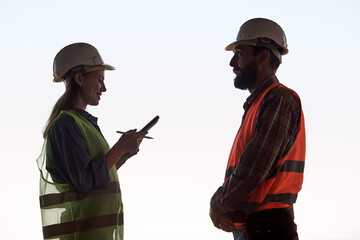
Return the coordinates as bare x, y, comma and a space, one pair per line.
284, 96
281, 91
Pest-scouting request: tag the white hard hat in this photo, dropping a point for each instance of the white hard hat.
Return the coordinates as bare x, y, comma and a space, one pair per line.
260, 32
77, 54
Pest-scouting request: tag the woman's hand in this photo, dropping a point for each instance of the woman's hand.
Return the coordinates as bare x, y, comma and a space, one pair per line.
126, 147
130, 141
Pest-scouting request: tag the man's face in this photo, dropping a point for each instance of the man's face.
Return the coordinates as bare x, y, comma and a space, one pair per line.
244, 66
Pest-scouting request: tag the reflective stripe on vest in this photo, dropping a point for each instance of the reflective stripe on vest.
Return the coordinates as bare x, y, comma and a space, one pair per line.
280, 188
68, 214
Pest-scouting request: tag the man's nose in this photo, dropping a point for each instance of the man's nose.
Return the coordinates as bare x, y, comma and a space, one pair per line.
233, 62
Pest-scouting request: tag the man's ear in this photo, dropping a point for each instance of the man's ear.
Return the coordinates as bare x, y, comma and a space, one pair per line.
78, 78
263, 56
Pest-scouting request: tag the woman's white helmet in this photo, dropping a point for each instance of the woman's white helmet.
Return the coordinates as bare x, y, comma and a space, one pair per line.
77, 54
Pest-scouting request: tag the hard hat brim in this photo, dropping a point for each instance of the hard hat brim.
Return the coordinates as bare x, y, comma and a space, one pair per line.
99, 67
89, 69
253, 42
233, 45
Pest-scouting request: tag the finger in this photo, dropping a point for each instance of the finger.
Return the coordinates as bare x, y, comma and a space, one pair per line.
214, 218
142, 133
140, 139
133, 153
225, 220
226, 224
226, 229
131, 131
216, 224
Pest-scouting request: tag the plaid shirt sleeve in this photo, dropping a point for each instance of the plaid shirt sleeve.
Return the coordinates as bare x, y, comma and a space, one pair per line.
275, 133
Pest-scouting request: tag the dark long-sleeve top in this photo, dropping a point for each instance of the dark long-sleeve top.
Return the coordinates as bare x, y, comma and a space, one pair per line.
68, 160
276, 130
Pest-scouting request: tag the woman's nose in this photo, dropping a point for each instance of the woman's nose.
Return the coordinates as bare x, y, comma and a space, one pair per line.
103, 88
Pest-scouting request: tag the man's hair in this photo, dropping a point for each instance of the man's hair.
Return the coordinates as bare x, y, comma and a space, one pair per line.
274, 61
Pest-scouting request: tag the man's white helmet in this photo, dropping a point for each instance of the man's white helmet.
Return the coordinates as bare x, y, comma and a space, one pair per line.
262, 32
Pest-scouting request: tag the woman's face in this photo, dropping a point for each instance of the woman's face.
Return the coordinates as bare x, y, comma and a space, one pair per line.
91, 87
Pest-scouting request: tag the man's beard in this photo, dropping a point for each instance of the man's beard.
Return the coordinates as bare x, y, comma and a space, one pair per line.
246, 77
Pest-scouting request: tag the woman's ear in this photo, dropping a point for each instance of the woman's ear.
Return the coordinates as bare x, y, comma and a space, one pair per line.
78, 78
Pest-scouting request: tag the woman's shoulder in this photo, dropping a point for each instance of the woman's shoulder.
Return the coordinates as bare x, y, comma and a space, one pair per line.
63, 124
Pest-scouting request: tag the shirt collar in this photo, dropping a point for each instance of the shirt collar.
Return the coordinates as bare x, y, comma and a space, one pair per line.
86, 115
266, 83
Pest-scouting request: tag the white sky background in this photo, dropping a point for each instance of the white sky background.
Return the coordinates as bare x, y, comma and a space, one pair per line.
171, 61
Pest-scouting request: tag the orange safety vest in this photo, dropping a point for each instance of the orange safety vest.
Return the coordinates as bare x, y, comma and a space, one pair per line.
278, 190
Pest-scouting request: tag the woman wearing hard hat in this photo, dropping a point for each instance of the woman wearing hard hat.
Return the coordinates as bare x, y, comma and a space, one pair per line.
80, 195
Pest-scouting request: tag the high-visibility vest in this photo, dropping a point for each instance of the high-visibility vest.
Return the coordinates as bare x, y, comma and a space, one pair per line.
68, 214
280, 188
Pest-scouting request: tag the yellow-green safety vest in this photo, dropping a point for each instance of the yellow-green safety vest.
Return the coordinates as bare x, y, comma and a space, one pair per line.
68, 214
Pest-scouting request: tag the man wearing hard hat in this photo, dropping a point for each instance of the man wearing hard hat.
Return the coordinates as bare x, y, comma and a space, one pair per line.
80, 195
265, 168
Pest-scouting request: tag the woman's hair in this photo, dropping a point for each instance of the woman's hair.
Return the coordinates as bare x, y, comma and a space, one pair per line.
68, 99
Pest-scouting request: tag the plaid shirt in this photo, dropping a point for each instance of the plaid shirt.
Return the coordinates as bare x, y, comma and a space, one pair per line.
276, 130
